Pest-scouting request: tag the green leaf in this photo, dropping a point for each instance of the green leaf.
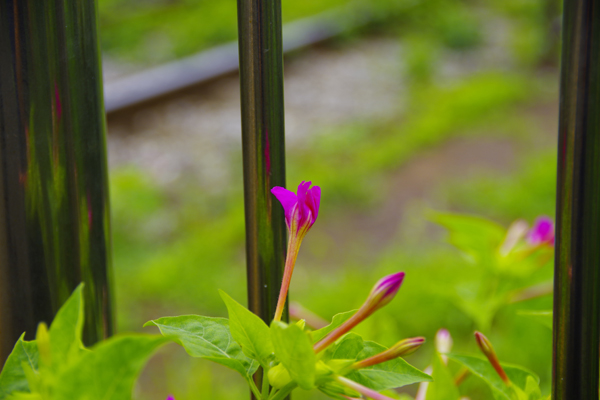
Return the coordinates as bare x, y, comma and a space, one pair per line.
479, 238
346, 348
543, 317
388, 375
481, 367
442, 387
294, 349
108, 371
251, 333
12, 376
532, 389
336, 321
207, 338
65, 331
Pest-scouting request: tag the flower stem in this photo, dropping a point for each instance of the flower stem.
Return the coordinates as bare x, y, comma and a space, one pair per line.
362, 389
339, 331
282, 394
253, 388
290, 261
265, 384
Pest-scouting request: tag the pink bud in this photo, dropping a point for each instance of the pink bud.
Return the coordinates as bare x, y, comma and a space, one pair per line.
542, 232
488, 350
400, 349
382, 293
443, 341
171, 398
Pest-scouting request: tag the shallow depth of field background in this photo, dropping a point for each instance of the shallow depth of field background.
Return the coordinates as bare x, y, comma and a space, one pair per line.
447, 105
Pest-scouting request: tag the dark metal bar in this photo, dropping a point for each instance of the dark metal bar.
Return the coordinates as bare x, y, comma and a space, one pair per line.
577, 270
54, 223
261, 80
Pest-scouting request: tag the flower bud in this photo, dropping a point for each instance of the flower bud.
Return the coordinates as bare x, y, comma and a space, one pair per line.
382, 293
170, 398
279, 376
542, 232
443, 343
400, 349
516, 231
488, 350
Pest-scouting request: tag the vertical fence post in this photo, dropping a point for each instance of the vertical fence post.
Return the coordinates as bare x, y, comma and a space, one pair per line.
261, 82
577, 268
54, 223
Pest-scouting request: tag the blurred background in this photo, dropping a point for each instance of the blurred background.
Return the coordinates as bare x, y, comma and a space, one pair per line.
417, 105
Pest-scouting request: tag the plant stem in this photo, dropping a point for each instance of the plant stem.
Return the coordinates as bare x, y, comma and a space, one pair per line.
287, 389
253, 387
290, 261
265, 384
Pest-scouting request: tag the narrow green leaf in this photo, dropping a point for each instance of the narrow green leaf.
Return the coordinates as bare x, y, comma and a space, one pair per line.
294, 349
532, 389
207, 338
481, 367
251, 333
12, 376
65, 331
108, 371
336, 321
442, 387
388, 375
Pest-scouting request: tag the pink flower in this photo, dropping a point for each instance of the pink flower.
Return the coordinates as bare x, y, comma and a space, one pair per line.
382, 293
170, 398
301, 212
542, 232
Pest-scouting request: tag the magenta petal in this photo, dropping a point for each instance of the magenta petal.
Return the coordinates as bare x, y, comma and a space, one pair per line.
542, 231
313, 202
287, 199
170, 398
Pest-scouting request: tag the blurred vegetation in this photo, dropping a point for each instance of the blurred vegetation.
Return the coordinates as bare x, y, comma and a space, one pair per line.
173, 247
159, 30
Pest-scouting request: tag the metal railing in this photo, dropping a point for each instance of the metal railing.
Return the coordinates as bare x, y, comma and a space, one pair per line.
577, 261
54, 221
53, 192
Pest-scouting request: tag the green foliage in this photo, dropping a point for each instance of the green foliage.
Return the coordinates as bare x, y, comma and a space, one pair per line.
443, 387
56, 366
294, 350
208, 338
12, 377
285, 353
520, 377
387, 375
336, 321
248, 330
108, 371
